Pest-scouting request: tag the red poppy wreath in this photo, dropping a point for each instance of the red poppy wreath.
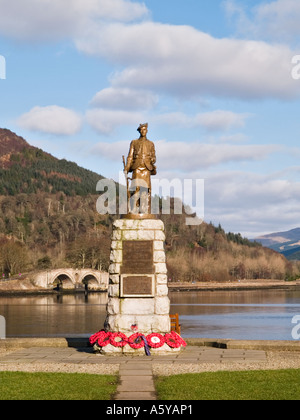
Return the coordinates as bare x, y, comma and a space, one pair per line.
136, 341
118, 339
155, 340
104, 338
93, 338
174, 340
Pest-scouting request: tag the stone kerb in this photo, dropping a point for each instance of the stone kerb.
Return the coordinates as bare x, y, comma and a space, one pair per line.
150, 314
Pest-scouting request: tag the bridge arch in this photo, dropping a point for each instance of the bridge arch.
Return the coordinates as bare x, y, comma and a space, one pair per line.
90, 282
63, 281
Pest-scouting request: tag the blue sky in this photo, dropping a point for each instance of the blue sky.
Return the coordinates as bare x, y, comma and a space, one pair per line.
212, 78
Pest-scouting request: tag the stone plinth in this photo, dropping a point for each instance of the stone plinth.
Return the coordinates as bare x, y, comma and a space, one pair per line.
137, 292
146, 308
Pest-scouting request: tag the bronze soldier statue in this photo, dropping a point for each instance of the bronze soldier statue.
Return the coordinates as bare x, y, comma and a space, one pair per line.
141, 162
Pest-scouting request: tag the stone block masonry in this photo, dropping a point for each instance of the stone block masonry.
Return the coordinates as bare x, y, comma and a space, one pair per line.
138, 292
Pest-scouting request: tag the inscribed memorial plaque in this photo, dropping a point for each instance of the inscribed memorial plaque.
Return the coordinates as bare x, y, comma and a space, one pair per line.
136, 285
137, 257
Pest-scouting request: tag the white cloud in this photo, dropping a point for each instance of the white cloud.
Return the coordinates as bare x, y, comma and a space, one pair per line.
178, 60
241, 201
221, 120
105, 121
211, 121
252, 203
186, 62
39, 20
195, 155
51, 119
276, 20
244, 189
111, 151
233, 138
124, 98
246, 202
188, 157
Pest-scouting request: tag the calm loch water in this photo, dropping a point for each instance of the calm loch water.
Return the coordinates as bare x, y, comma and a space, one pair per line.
243, 315
249, 315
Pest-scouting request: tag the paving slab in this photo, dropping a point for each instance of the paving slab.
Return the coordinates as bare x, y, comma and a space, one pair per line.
73, 355
135, 372
147, 385
135, 396
136, 382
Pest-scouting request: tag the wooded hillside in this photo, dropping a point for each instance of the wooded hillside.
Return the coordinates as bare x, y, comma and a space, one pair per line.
48, 219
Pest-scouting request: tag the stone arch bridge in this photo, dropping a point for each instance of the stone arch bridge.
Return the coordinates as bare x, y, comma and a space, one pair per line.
72, 279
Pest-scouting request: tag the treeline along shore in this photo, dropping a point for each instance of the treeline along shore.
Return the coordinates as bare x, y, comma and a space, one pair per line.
26, 287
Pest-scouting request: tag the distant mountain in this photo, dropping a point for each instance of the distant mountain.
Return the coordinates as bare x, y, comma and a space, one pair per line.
292, 254
28, 169
279, 237
287, 243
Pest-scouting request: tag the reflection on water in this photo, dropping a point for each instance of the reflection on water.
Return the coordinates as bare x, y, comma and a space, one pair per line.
252, 315
248, 315
51, 315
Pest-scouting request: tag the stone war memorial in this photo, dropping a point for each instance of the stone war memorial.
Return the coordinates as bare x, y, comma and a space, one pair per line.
138, 309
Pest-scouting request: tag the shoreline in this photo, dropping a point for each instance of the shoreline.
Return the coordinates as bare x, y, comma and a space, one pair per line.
259, 284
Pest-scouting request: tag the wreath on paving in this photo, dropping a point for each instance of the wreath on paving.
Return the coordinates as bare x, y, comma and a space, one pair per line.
137, 340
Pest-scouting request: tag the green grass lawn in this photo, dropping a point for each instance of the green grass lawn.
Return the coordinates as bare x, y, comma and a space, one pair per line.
56, 386
244, 385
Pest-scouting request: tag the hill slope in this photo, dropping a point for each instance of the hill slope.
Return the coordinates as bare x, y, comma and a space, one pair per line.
10, 144
28, 169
